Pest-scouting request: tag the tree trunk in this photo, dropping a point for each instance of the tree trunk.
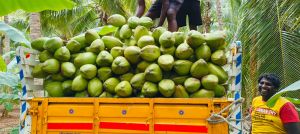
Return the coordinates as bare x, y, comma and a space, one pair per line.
6, 43
219, 14
35, 26
206, 17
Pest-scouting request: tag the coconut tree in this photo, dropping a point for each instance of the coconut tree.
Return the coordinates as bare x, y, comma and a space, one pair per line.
270, 33
35, 25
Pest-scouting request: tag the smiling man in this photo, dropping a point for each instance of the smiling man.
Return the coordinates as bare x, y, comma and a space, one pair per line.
280, 119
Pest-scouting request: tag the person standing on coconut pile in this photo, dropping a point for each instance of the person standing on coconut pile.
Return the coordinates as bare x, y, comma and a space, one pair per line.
282, 118
175, 11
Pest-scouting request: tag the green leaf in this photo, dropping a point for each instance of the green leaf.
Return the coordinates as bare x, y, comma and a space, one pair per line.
106, 30
293, 87
8, 106
2, 65
13, 33
8, 6
9, 79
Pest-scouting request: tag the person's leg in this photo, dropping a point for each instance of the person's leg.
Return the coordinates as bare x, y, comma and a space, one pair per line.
172, 13
194, 14
141, 8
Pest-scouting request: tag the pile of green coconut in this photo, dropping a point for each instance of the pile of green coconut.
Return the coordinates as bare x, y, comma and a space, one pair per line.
133, 61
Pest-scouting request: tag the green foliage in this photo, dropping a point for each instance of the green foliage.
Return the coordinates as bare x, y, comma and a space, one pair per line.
2, 65
270, 37
9, 6
9, 89
293, 87
13, 33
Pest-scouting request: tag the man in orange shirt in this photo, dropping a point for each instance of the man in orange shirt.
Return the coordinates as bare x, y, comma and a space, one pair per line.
280, 119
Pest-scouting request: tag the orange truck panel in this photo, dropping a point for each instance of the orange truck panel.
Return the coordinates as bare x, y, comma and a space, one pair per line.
126, 115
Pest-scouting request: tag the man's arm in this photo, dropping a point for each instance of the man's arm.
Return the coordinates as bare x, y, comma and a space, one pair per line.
141, 8
290, 119
163, 14
292, 128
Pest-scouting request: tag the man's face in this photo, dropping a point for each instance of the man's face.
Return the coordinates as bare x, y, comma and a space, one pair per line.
266, 88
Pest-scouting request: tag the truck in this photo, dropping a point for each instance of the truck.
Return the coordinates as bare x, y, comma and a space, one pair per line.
67, 115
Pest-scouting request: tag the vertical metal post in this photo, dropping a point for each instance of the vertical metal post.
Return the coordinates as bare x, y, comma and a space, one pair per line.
24, 128
237, 70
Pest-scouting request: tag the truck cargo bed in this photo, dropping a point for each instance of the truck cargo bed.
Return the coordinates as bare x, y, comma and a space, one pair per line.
125, 115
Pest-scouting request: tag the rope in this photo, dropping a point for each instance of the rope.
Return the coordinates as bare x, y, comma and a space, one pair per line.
218, 118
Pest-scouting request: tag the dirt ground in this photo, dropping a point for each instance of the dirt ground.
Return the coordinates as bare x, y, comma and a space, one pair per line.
10, 122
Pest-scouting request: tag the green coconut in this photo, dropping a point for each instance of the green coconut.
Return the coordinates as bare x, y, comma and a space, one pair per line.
145, 41
166, 87
117, 51
38, 44
85, 58
166, 62
209, 81
105, 95
67, 88
203, 52
137, 81
199, 69
183, 51
54, 89
203, 93
146, 22
58, 77
125, 32
179, 38
73, 46
51, 66
150, 53
62, 54
182, 67
133, 22
218, 71
53, 44
149, 89
96, 46
79, 83
104, 59
195, 39
37, 71
110, 42
139, 32
170, 50
45, 55
123, 89
167, 39
192, 84
219, 58
180, 92
157, 32
110, 85
141, 67
88, 71
104, 73
153, 73
120, 65
132, 54
220, 91
94, 87
126, 77
116, 20
91, 35
130, 41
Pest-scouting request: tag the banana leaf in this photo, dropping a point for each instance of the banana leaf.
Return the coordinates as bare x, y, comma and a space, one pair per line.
293, 87
8, 6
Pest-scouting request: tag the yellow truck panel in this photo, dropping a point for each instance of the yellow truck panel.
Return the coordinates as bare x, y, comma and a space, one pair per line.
126, 115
